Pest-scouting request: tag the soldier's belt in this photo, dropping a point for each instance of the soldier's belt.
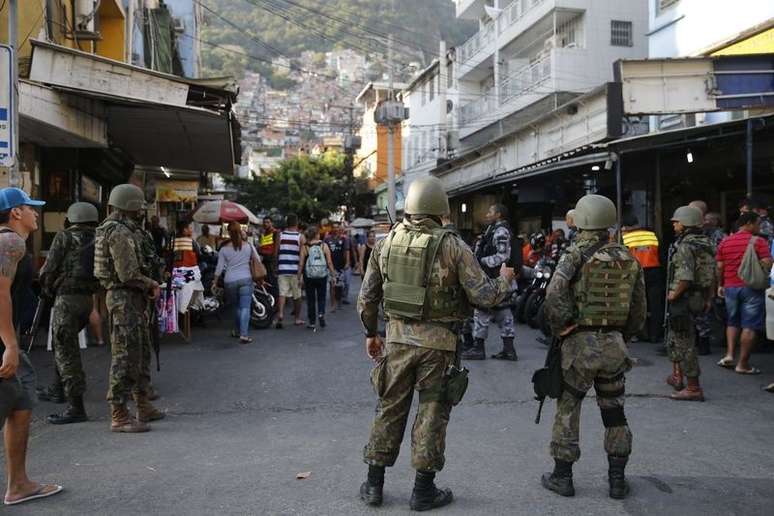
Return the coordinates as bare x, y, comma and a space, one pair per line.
599, 328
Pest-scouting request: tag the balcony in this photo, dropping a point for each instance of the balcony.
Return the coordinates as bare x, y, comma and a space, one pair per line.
516, 11
478, 42
526, 79
472, 112
470, 9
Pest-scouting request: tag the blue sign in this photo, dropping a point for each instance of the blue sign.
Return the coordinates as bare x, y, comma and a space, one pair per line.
744, 81
6, 106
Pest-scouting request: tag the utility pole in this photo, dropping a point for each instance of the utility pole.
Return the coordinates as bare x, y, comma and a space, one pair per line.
13, 40
390, 142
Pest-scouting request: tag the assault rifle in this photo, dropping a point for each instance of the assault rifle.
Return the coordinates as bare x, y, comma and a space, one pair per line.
548, 380
32, 331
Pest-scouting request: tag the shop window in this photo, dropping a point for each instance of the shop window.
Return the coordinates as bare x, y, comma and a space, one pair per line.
621, 33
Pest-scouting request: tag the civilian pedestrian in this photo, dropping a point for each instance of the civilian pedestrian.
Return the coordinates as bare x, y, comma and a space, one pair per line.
18, 218
340, 251
368, 248
267, 248
206, 239
317, 270
160, 236
234, 259
288, 254
745, 306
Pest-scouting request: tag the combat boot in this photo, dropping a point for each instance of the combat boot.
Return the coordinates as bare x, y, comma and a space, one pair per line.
676, 378
426, 495
692, 392
146, 412
74, 413
477, 352
703, 346
508, 352
560, 481
53, 393
121, 421
371, 489
619, 487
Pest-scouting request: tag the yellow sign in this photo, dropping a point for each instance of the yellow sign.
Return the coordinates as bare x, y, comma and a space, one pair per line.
177, 191
761, 43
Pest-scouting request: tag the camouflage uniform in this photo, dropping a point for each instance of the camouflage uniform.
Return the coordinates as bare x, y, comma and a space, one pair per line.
706, 323
63, 276
498, 237
417, 354
151, 267
127, 302
591, 357
681, 339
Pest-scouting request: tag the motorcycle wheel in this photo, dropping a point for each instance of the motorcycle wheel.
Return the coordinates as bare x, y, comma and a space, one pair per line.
518, 309
261, 313
531, 308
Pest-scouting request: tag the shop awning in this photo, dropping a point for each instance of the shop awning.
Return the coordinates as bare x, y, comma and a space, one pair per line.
157, 119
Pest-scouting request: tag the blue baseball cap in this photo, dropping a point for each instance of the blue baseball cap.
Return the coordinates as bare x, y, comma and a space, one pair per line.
15, 197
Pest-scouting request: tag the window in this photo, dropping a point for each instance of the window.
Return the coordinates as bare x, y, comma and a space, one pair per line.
621, 33
665, 4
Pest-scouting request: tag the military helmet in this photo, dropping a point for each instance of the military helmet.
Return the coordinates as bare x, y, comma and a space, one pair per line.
127, 197
688, 216
82, 212
595, 212
426, 196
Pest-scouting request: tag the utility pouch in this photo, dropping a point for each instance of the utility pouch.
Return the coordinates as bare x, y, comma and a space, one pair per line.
680, 316
456, 384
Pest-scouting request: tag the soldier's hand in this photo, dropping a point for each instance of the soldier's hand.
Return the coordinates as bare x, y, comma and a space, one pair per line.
568, 330
671, 296
507, 273
10, 362
374, 347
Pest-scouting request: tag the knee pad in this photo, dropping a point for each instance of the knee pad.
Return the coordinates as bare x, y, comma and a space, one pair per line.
613, 417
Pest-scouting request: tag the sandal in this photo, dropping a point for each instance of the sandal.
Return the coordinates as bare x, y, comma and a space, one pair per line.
245, 340
751, 371
726, 362
43, 491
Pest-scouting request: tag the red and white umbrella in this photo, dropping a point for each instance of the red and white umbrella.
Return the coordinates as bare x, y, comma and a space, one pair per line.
218, 212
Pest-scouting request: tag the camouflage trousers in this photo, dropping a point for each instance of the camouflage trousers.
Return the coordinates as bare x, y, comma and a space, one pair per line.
503, 317
70, 316
681, 348
128, 337
598, 359
404, 369
144, 380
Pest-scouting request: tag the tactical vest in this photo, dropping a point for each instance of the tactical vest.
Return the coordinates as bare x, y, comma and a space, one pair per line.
704, 258
104, 268
488, 248
603, 292
407, 261
78, 265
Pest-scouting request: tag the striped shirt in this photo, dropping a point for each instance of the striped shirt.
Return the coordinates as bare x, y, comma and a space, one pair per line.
289, 252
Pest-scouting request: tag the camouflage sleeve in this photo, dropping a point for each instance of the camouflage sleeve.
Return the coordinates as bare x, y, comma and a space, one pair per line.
638, 311
502, 242
684, 264
370, 296
51, 269
559, 304
123, 250
481, 289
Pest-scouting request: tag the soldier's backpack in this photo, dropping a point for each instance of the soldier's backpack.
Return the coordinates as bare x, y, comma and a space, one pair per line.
704, 256
316, 265
79, 258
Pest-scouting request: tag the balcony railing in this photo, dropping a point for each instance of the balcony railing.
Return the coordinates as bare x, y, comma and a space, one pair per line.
525, 80
516, 11
479, 40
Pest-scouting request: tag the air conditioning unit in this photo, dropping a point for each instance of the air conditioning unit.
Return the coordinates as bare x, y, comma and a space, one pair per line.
85, 12
352, 142
178, 24
390, 112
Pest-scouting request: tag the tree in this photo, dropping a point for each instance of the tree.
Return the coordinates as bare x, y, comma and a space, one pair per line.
312, 188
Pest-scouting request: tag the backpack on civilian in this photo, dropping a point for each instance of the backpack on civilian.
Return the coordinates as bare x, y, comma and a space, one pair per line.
316, 265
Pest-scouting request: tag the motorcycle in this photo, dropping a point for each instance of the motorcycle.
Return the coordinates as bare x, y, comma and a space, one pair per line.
263, 308
543, 271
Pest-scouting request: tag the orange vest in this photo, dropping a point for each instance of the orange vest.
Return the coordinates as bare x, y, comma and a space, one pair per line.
643, 245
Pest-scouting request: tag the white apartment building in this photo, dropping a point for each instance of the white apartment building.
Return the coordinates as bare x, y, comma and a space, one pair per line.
527, 51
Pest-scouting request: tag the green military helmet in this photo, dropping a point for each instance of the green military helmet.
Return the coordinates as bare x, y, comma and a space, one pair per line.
426, 196
688, 216
82, 212
595, 212
127, 197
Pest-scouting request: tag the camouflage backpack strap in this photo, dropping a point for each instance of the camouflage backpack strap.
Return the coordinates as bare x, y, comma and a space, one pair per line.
432, 252
386, 257
585, 257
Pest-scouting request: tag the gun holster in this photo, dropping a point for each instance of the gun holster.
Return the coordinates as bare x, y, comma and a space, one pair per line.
456, 384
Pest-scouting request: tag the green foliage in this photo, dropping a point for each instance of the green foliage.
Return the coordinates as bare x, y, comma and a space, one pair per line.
425, 23
313, 188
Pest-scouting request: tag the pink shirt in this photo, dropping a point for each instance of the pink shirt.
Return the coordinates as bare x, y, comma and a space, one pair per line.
732, 249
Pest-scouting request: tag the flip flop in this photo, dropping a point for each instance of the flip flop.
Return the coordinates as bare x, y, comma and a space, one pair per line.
40, 493
726, 362
751, 371
245, 340
300, 323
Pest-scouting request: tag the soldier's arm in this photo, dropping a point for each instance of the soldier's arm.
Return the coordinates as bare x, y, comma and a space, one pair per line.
480, 289
123, 250
685, 265
638, 311
502, 241
52, 268
559, 304
371, 293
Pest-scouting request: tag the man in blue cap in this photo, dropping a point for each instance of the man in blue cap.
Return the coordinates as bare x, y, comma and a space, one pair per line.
18, 218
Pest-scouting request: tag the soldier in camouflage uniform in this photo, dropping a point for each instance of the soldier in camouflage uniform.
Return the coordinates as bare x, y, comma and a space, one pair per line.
595, 302
706, 322
425, 294
118, 264
691, 278
492, 251
68, 277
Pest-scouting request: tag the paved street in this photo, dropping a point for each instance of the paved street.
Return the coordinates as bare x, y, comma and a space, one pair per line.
244, 420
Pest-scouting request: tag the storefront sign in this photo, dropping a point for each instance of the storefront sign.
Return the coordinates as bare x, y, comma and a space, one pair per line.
177, 191
761, 43
6, 106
